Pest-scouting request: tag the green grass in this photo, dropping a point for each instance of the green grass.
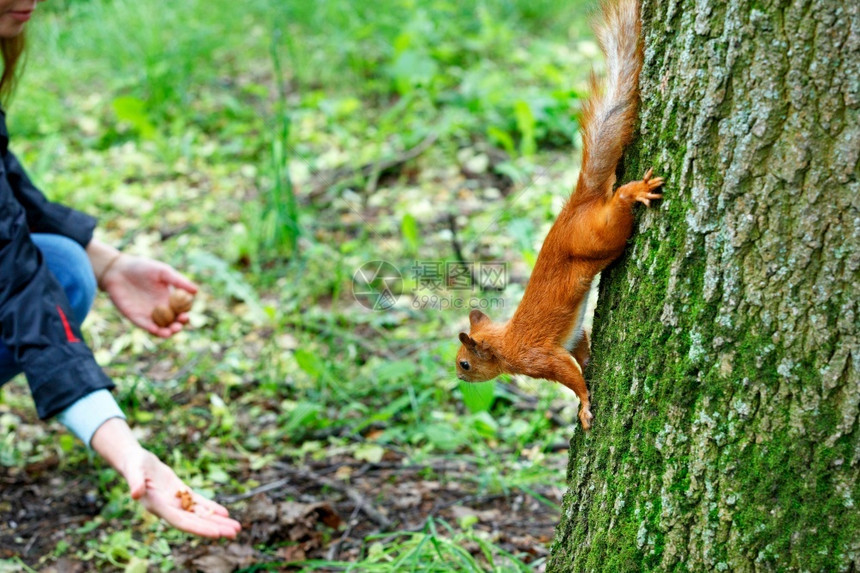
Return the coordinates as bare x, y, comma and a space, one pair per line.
207, 134
437, 548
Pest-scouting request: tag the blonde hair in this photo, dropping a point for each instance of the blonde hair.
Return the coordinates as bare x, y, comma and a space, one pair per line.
12, 50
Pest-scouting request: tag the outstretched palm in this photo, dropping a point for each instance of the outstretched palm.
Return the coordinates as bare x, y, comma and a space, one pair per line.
136, 285
159, 490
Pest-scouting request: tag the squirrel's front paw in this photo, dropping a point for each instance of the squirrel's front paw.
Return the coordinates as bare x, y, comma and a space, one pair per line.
585, 417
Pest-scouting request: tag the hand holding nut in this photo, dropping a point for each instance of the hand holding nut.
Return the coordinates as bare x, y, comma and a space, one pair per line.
180, 301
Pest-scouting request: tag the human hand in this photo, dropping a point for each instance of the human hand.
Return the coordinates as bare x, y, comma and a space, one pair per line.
156, 486
137, 285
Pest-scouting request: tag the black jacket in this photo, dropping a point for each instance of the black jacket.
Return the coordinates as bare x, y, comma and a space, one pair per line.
36, 322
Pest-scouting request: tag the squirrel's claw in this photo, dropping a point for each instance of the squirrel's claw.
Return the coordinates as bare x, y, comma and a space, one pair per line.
642, 191
646, 198
654, 183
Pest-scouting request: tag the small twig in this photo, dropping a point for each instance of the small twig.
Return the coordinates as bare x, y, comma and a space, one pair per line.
334, 177
458, 249
527, 525
189, 366
30, 543
524, 396
455, 242
323, 331
277, 484
175, 231
376, 170
408, 155
334, 550
27, 528
357, 499
469, 498
352, 493
361, 471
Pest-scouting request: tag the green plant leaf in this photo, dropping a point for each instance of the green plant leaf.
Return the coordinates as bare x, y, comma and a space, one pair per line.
478, 396
395, 370
526, 126
444, 436
233, 282
67, 443
133, 111
409, 229
137, 565
370, 453
485, 425
502, 138
217, 474
412, 68
309, 362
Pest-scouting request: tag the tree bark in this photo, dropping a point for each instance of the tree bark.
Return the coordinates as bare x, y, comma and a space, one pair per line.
725, 356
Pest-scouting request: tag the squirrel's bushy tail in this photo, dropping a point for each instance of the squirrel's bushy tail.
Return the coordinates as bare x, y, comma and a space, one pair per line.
609, 113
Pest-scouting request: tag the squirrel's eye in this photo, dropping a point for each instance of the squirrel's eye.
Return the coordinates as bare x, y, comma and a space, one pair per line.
464, 365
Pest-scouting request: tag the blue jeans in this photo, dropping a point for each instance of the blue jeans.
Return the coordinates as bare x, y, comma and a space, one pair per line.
69, 263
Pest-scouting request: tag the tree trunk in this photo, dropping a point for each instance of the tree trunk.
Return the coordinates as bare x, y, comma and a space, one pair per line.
725, 348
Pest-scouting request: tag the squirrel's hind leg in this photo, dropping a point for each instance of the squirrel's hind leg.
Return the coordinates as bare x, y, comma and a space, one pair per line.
610, 222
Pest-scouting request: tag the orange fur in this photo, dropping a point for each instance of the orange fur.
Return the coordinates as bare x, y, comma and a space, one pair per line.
590, 232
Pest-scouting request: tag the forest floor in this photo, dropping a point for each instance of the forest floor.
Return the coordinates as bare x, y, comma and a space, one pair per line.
274, 163
309, 513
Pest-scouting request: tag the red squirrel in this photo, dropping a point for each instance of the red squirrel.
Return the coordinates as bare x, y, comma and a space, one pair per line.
544, 338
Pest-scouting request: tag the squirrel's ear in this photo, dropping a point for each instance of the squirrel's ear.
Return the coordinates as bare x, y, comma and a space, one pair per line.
467, 340
477, 317
484, 350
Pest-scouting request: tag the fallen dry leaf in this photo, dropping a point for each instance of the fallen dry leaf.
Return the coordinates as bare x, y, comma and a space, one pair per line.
295, 513
343, 472
529, 544
66, 565
269, 522
486, 516
219, 559
260, 509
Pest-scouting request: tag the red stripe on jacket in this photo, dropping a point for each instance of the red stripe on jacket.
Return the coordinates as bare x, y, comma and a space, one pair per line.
70, 336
